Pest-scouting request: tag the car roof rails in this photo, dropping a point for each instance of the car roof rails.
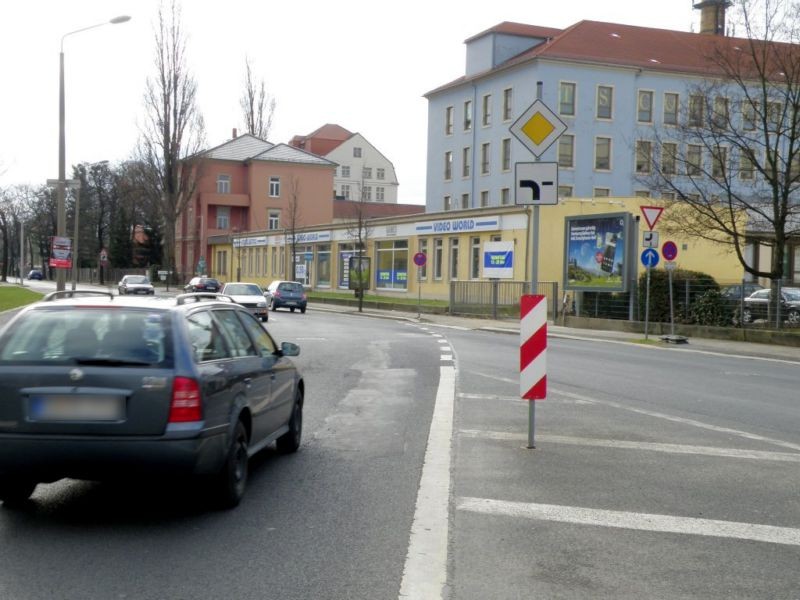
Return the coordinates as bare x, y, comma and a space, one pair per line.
200, 296
73, 293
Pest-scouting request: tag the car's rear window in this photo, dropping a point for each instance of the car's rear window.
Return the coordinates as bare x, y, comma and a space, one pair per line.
140, 279
91, 335
290, 287
242, 289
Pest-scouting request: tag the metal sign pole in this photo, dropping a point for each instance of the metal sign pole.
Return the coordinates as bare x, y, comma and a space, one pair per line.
647, 303
671, 306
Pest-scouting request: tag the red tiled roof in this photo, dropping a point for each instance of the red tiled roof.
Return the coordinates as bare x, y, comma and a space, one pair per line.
348, 209
322, 141
630, 46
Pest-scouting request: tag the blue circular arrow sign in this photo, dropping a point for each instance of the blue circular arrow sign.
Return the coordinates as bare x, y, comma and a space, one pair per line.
650, 258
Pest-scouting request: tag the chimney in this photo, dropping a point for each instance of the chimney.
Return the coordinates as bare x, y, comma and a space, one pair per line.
712, 16
234, 133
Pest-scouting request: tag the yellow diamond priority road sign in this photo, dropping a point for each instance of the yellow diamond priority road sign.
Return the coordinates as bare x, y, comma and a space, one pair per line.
537, 128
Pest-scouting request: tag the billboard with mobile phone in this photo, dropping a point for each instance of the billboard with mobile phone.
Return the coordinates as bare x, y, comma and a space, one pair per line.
595, 252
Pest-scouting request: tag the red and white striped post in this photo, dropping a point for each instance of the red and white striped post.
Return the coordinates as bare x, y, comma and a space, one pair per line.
532, 355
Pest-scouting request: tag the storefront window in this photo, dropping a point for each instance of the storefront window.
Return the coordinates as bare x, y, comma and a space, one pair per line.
345, 252
392, 258
324, 265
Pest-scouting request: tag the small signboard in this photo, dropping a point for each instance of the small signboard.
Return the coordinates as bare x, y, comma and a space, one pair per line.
651, 215
536, 183
420, 258
669, 250
498, 260
650, 258
649, 239
537, 128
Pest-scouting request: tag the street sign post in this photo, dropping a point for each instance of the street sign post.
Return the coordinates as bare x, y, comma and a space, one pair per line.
669, 250
649, 239
537, 128
536, 183
651, 215
420, 258
649, 259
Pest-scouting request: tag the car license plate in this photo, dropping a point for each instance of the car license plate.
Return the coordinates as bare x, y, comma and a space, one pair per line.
291, 303
76, 408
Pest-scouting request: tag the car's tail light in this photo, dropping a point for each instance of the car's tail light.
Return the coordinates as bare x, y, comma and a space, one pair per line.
186, 402
303, 297
276, 293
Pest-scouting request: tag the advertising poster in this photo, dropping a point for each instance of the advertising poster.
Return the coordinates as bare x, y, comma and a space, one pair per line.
61, 252
359, 273
498, 260
595, 252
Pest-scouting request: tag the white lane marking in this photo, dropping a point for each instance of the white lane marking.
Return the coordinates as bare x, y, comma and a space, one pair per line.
496, 378
681, 420
312, 339
425, 570
630, 520
441, 341
650, 446
447, 357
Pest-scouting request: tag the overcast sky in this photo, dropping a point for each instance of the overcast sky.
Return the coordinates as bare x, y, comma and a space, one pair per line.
363, 65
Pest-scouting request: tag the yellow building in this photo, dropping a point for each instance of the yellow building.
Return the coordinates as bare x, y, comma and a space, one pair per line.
454, 245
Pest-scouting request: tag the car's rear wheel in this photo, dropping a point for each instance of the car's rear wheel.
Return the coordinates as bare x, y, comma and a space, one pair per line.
747, 316
290, 441
265, 318
14, 491
272, 306
793, 317
232, 480
291, 308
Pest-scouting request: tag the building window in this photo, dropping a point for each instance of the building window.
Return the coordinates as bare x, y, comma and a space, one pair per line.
448, 166
467, 115
223, 217
644, 156
670, 109
366, 193
448, 120
486, 119
507, 104
475, 258
422, 272
693, 159
448, 203
774, 115
223, 184
642, 193
380, 174
485, 158
356, 152
601, 192
274, 219
324, 265
605, 101
565, 191
668, 195
505, 196
366, 173
222, 262
566, 151
437, 258
345, 170
380, 194
749, 116
453, 259
645, 107
346, 191
669, 152
721, 113
484, 198
505, 154
719, 166
464, 200
696, 106
566, 99
602, 154
466, 159
274, 187
392, 259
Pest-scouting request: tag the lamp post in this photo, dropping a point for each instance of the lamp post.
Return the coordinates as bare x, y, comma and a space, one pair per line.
61, 217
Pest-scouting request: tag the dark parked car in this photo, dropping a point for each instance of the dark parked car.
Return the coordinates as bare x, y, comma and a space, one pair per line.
127, 386
734, 293
289, 294
35, 274
203, 284
135, 284
757, 305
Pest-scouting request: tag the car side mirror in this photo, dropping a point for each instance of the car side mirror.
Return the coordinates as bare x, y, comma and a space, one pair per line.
290, 349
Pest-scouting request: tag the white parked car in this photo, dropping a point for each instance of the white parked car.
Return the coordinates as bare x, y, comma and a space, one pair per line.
135, 284
248, 295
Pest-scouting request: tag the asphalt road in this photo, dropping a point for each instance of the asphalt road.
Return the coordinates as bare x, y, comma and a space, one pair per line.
658, 473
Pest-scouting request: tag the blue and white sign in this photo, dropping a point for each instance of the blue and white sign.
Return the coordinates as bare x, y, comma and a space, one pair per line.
650, 258
457, 225
308, 237
498, 260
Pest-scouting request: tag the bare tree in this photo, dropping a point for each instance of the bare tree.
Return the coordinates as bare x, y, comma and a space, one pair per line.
174, 133
293, 220
258, 107
732, 162
359, 230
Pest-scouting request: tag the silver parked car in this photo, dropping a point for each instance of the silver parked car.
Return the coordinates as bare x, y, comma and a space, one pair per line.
250, 296
98, 386
135, 284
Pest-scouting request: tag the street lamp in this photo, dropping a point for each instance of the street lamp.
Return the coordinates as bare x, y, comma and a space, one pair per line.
61, 222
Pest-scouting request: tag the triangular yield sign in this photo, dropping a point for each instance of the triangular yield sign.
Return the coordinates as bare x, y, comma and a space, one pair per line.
651, 215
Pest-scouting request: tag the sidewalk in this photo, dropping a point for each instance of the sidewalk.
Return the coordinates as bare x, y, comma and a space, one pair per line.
511, 327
